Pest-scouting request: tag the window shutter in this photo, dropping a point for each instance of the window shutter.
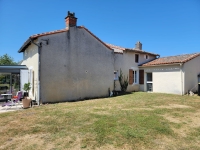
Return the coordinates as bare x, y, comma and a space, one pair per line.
141, 76
130, 76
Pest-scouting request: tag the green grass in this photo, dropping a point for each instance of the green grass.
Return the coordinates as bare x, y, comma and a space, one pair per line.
134, 121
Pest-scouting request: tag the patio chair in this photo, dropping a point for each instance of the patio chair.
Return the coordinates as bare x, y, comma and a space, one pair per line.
14, 102
15, 96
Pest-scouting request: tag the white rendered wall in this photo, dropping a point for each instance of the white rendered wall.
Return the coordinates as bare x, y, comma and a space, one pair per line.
191, 69
166, 79
167, 82
30, 59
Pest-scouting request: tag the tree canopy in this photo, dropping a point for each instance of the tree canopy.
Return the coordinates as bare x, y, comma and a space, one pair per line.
7, 60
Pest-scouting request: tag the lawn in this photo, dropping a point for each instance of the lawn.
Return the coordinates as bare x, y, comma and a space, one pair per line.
134, 121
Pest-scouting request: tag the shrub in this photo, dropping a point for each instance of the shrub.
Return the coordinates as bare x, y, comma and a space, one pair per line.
123, 81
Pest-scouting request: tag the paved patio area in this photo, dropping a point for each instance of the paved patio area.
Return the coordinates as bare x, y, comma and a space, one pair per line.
13, 108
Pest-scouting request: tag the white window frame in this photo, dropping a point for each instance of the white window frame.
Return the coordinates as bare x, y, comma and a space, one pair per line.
136, 75
149, 81
152, 77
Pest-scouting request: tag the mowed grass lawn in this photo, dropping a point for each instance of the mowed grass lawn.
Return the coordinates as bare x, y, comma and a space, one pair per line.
134, 121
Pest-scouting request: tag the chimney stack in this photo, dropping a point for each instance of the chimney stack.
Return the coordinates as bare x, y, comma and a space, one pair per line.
138, 46
70, 20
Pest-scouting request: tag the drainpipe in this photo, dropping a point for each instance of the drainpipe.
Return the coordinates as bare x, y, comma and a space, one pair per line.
181, 71
39, 58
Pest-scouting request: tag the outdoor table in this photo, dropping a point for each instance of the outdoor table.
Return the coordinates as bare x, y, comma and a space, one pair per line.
7, 96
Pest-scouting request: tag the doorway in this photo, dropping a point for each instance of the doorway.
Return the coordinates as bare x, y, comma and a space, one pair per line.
149, 82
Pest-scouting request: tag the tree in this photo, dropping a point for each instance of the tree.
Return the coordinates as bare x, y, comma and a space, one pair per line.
7, 60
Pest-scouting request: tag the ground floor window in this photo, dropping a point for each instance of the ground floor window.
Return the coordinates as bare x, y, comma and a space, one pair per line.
133, 76
116, 75
149, 82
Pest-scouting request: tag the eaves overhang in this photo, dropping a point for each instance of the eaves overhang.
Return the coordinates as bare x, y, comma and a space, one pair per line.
35, 36
141, 52
25, 45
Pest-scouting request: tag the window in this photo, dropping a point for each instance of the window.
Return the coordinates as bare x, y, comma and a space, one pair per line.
146, 56
133, 76
149, 77
137, 58
149, 82
135, 73
115, 75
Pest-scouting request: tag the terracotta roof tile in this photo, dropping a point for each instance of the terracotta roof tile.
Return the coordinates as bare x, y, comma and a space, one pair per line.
114, 46
64, 30
129, 49
55, 32
109, 46
141, 51
172, 59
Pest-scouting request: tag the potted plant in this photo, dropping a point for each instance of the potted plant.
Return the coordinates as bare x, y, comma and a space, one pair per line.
26, 101
27, 87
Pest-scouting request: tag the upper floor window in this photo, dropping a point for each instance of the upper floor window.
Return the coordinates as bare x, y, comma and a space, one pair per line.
146, 56
137, 58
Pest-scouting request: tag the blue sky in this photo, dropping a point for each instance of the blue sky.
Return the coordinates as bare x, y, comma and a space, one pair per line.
166, 27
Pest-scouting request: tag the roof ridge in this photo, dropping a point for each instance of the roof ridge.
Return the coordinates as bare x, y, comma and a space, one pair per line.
193, 55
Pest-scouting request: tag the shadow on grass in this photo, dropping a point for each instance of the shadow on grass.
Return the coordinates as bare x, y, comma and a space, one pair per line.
92, 98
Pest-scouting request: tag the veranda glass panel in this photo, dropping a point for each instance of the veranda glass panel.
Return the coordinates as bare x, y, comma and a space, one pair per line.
15, 83
5, 79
